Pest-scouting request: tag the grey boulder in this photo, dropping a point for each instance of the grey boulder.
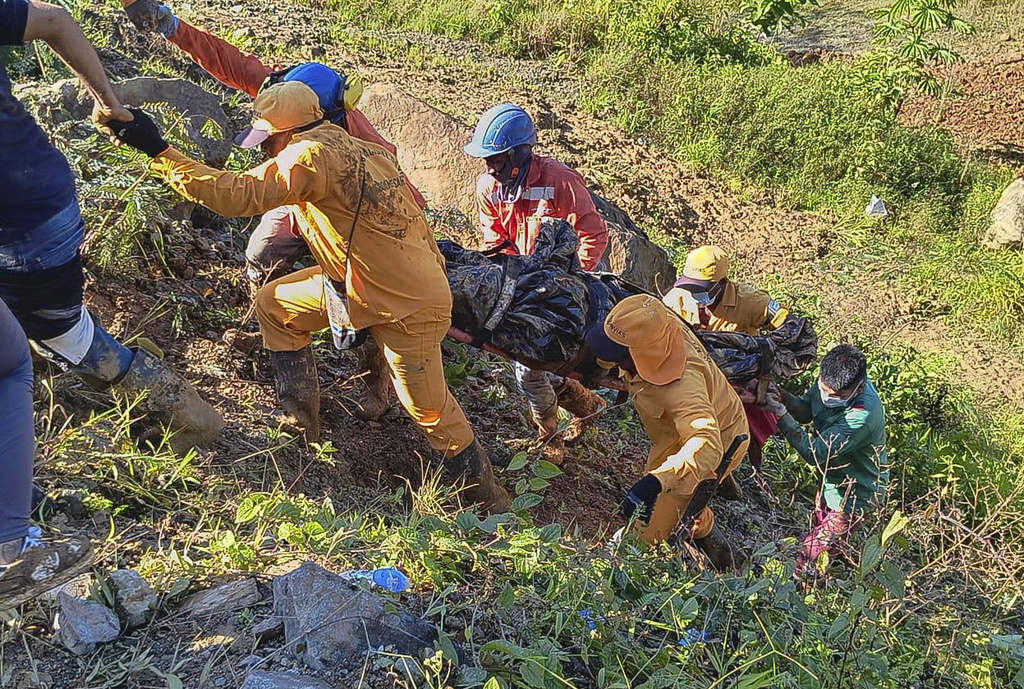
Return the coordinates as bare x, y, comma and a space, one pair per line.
83, 625
1006, 225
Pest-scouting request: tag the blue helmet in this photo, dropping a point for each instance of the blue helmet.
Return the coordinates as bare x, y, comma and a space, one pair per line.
501, 129
324, 81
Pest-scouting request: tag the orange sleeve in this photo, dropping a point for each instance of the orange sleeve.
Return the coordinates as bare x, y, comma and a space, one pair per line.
575, 204
360, 128
223, 61
494, 233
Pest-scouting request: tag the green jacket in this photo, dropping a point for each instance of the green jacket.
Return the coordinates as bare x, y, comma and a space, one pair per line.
848, 446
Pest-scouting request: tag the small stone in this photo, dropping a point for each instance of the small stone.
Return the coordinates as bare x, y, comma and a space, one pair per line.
250, 661
134, 600
219, 682
83, 625
262, 679
225, 598
268, 629
1006, 228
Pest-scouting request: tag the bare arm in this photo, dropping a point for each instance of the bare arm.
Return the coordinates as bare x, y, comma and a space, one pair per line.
54, 26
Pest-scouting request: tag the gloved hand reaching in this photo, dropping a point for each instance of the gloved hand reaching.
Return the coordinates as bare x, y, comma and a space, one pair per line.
773, 402
166, 22
641, 498
141, 133
143, 14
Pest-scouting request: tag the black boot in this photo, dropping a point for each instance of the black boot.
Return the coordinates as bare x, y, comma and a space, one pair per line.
474, 465
298, 389
718, 550
375, 377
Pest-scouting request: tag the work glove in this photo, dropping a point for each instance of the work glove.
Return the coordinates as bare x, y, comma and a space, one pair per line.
640, 500
773, 402
166, 23
143, 14
141, 133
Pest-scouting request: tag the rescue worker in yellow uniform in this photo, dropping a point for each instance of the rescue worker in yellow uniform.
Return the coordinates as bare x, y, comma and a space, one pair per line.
690, 412
707, 299
374, 251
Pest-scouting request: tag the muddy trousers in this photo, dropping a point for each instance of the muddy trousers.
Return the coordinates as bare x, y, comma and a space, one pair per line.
671, 504
274, 246
291, 308
17, 454
538, 387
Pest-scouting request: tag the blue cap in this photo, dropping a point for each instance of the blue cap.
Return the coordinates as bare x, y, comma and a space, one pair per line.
324, 81
603, 347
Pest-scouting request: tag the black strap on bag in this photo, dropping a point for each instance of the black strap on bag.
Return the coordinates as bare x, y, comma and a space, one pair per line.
349, 337
705, 491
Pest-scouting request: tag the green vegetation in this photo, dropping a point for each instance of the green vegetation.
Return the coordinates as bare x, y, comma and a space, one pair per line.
823, 137
933, 601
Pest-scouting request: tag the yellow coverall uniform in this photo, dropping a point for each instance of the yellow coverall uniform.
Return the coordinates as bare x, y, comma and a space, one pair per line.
743, 309
691, 421
366, 232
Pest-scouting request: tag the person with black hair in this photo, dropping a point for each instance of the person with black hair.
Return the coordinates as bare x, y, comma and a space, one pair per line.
847, 446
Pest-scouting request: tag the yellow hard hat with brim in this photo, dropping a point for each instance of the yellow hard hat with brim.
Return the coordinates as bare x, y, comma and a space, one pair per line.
644, 325
280, 108
706, 264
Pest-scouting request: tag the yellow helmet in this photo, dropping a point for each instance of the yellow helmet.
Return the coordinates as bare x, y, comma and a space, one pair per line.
706, 263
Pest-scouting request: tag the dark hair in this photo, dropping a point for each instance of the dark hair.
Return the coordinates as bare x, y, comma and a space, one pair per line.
843, 367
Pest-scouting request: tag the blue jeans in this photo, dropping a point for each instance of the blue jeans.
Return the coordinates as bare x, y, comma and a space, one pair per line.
16, 429
50, 245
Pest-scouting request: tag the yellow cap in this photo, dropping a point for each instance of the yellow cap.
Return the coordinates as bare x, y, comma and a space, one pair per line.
280, 108
706, 263
643, 324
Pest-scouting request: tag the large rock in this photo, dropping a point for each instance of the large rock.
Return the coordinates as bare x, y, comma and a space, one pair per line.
134, 600
429, 145
261, 679
1006, 228
225, 598
68, 100
83, 625
330, 621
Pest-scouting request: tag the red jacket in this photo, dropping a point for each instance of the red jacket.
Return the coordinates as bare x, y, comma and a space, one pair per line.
245, 72
552, 190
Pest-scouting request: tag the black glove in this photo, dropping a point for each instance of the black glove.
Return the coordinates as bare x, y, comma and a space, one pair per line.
141, 133
641, 498
143, 14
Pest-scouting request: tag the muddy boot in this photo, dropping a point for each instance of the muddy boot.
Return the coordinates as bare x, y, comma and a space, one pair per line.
171, 400
244, 343
584, 405
553, 447
474, 465
298, 390
717, 549
33, 565
375, 377
730, 489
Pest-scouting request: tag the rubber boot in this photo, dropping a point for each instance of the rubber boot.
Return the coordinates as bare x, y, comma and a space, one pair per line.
375, 377
170, 399
584, 405
718, 550
730, 489
298, 390
547, 426
474, 465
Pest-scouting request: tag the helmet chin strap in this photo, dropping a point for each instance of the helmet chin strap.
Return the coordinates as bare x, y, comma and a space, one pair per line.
511, 190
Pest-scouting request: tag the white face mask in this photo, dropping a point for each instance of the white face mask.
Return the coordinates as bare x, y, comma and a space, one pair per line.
834, 401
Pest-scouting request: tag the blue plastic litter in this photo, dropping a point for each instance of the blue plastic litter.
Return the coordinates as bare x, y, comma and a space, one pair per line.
590, 618
694, 636
388, 578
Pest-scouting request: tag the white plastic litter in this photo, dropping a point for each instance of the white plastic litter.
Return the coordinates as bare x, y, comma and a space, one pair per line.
876, 209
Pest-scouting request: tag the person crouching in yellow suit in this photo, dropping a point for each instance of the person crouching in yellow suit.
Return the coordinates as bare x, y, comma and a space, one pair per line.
373, 248
690, 412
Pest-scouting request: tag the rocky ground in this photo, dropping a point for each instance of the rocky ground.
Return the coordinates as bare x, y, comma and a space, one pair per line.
186, 304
